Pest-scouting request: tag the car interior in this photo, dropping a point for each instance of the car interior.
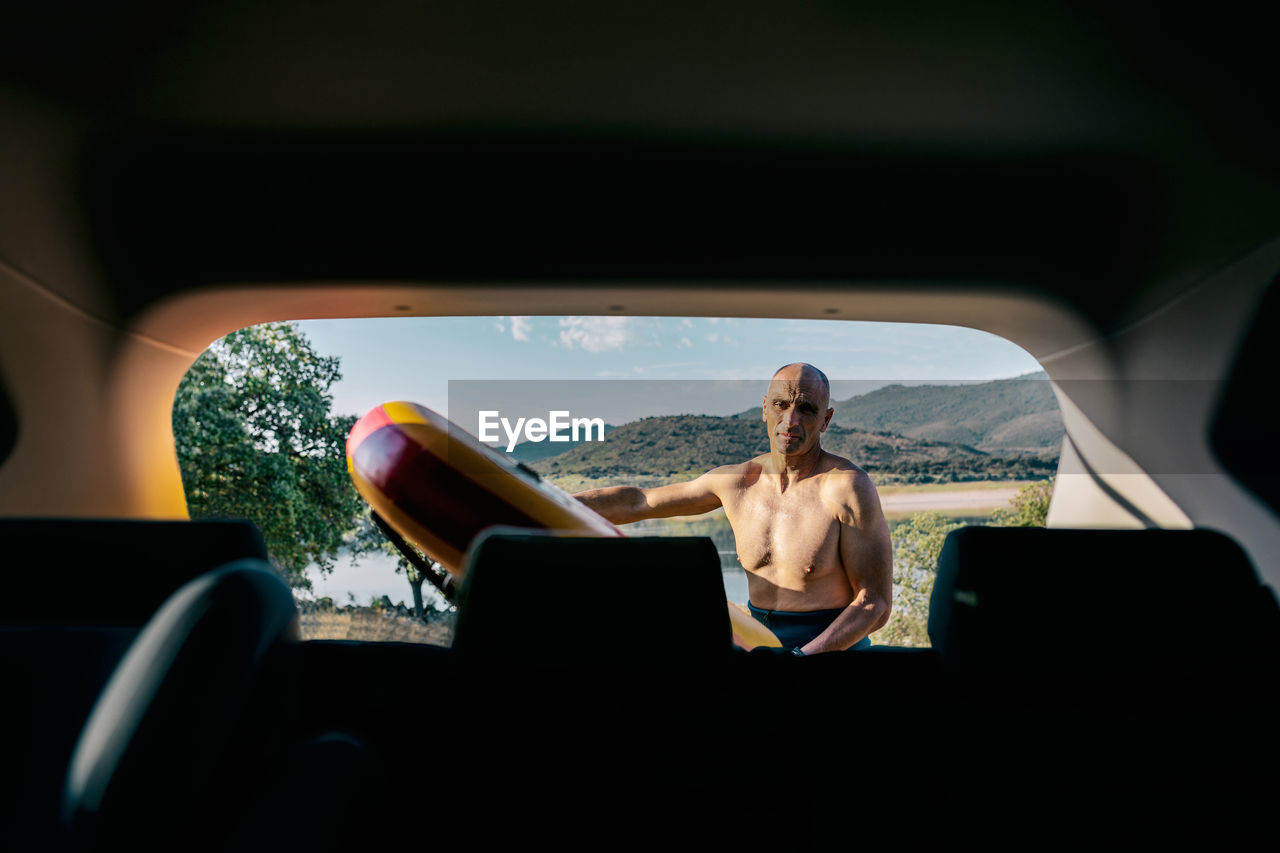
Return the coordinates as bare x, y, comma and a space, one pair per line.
1093, 182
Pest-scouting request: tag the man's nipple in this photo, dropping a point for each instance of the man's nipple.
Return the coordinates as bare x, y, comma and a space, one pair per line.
808, 570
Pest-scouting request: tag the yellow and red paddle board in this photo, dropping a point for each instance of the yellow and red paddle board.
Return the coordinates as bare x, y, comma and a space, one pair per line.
440, 487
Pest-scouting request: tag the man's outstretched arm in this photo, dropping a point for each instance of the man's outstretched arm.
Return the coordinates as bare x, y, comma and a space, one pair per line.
625, 504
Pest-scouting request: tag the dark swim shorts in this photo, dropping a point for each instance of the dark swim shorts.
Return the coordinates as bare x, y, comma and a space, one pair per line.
797, 627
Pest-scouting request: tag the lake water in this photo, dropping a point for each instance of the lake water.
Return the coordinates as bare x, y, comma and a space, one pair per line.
374, 576
735, 583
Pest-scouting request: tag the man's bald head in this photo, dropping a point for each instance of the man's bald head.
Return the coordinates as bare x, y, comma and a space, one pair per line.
805, 373
797, 409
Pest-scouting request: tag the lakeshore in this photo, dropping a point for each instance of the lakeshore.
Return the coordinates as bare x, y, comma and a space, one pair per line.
955, 499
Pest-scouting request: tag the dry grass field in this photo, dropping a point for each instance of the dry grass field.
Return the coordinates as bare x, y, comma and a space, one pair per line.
369, 625
953, 499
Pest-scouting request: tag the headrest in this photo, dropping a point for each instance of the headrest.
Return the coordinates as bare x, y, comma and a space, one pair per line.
1036, 602
199, 693
93, 572
540, 600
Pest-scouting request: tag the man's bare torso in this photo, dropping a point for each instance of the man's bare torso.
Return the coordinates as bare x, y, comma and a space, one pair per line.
789, 539
808, 524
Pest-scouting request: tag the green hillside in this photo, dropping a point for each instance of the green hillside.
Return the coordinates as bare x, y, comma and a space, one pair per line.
1010, 416
659, 450
533, 451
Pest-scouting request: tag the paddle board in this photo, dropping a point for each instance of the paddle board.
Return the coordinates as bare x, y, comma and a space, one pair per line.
439, 486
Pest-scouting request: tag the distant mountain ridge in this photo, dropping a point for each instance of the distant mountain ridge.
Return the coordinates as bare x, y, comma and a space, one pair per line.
669, 448
1018, 415
1006, 429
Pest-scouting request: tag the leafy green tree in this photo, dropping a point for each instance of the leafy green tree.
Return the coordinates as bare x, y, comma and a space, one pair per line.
1028, 508
917, 542
256, 438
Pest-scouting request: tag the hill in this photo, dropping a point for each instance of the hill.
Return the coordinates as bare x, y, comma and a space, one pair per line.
534, 451
1007, 416
658, 450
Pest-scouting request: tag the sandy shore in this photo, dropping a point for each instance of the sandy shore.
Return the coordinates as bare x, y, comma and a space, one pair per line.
978, 500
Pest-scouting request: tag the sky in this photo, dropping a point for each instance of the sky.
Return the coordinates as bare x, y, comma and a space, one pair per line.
417, 359
629, 367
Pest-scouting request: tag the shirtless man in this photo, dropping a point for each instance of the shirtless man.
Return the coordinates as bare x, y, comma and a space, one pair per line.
808, 523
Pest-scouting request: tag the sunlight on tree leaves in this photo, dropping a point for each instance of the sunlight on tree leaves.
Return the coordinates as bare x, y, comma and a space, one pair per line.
256, 439
1028, 508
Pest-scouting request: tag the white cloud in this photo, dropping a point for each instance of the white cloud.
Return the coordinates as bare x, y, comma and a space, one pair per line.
520, 327
595, 334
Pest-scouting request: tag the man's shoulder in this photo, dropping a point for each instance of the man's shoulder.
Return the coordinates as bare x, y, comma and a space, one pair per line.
739, 471
839, 468
844, 481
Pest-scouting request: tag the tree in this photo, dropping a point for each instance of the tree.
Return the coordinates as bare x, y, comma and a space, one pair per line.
917, 542
1028, 508
368, 539
256, 439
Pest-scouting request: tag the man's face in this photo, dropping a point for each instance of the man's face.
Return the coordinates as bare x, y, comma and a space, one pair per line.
795, 412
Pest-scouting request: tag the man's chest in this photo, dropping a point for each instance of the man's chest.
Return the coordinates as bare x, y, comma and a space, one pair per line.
785, 530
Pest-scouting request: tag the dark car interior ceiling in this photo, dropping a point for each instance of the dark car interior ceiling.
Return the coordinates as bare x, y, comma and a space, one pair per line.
1074, 150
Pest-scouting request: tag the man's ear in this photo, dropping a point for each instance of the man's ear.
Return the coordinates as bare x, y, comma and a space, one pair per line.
826, 423
764, 409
